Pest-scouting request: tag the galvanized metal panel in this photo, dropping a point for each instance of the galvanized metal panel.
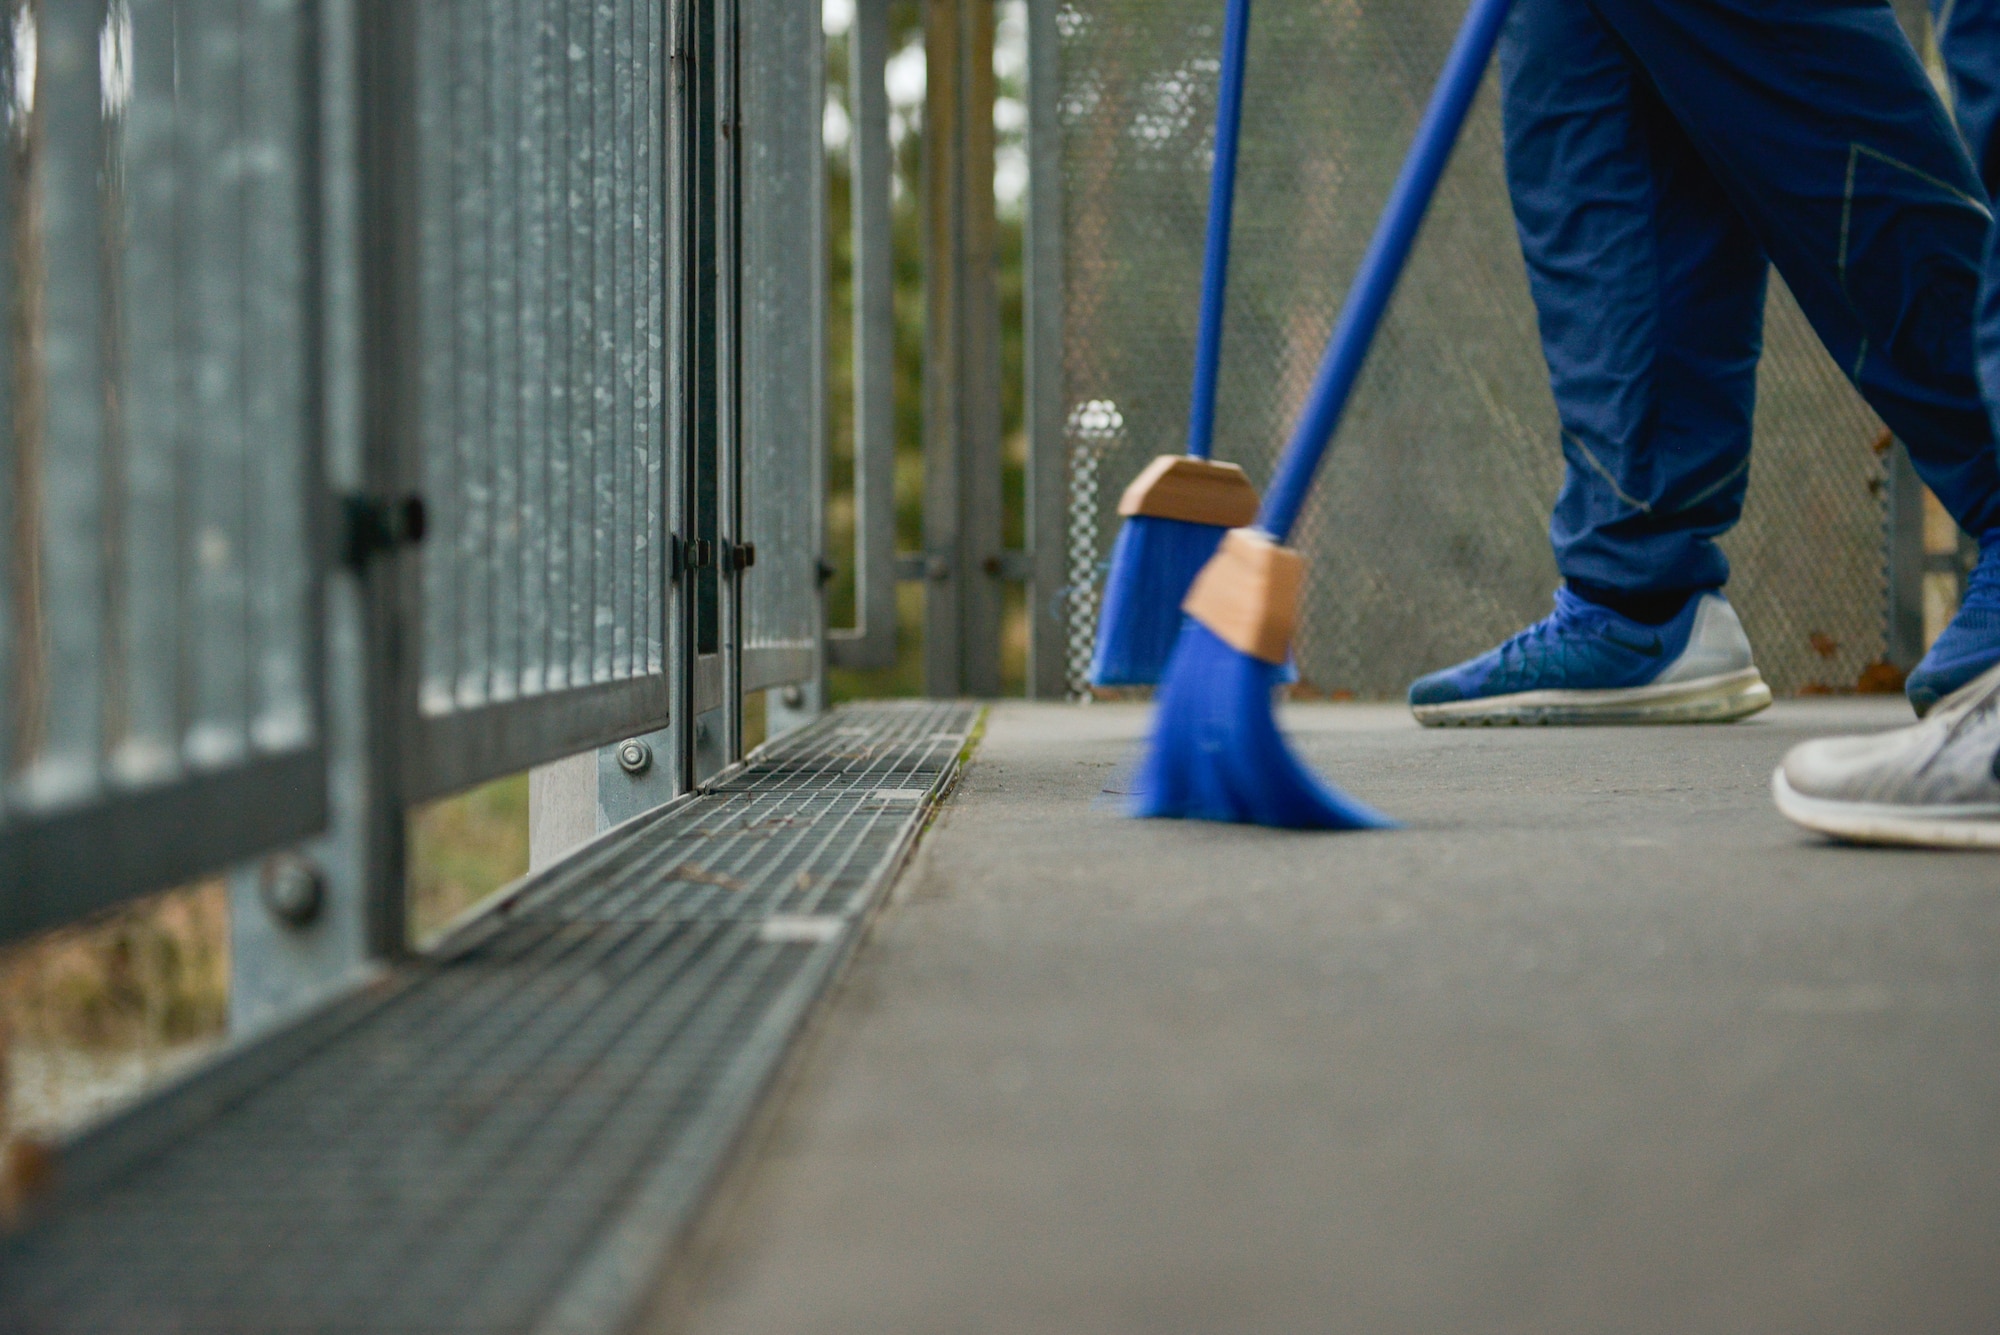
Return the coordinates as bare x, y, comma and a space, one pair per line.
540, 358
782, 305
163, 492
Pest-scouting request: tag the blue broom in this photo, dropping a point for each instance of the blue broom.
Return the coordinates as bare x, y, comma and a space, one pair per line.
1178, 509
1216, 751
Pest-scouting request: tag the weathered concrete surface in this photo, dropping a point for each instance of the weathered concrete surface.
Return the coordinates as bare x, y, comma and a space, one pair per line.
1598, 1044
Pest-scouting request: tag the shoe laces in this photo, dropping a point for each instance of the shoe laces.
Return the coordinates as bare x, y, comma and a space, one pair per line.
1554, 637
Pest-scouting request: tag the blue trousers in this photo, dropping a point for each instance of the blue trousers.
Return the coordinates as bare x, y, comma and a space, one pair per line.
1969, 36
1662, 155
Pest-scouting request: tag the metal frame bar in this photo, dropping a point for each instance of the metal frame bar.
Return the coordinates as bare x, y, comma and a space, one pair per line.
766, 666
678, 118
729, 452
65, 867
391, 397
1048, 447
705, 343
872, 641
455, 751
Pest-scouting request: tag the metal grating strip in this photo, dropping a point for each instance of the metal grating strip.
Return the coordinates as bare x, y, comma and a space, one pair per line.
500, 1129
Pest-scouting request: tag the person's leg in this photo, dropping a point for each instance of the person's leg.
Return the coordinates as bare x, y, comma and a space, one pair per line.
1650, 294
1819, 122
1935, 784
1969, 38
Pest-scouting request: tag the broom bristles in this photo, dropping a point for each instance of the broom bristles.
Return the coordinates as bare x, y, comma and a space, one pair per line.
1216, 752
1153, 564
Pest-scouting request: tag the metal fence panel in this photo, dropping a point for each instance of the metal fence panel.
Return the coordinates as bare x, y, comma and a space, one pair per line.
1428, 533
782, 289
158, 436
541, 218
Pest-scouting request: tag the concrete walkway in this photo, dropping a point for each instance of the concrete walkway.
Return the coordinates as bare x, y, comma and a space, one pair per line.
1599, 1044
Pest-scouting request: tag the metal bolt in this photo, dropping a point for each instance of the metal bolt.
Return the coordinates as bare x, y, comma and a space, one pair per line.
292, 888
635, 757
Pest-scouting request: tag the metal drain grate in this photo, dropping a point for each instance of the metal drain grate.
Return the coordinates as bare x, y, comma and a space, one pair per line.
506, 1136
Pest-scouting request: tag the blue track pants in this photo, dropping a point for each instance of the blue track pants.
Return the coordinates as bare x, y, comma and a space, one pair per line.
1661, 155
1969, 36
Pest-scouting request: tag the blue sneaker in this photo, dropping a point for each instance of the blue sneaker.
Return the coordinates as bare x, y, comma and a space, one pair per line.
1587, 664
1971, 643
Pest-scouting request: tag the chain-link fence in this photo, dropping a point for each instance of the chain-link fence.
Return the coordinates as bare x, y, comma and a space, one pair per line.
1428, 532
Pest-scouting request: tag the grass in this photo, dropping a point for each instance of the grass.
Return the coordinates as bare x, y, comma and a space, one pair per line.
154, 973
464, 848
91, 1014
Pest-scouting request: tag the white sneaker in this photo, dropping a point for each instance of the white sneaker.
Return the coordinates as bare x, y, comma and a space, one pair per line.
1935, 784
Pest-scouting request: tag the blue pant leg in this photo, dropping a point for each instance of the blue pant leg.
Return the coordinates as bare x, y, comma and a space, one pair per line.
1819, 122
1649, 291
1969, 37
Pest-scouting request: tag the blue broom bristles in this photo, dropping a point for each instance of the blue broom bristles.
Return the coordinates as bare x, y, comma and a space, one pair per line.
1153, 565
1216, 752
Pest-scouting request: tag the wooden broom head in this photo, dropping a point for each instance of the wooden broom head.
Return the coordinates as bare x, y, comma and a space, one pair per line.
1248, 594
1197, 491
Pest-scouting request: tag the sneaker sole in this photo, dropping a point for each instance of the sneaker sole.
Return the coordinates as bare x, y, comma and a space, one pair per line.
1720, 699
1879, 823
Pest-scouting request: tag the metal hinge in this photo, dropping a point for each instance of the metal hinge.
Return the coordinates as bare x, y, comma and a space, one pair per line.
377, 525
738, 556
691, 554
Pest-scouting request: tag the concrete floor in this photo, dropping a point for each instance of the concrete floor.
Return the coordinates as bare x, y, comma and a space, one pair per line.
1599, 1043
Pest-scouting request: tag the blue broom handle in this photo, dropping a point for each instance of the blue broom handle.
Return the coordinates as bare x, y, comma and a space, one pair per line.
1221, 208
1383, 265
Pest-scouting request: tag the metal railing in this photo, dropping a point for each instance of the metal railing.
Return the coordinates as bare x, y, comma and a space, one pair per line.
398, 395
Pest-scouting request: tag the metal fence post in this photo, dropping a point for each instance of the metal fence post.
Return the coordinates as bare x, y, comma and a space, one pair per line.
872, 642
1905, 561
1048, 446
962, 499
391, 260
304, 925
